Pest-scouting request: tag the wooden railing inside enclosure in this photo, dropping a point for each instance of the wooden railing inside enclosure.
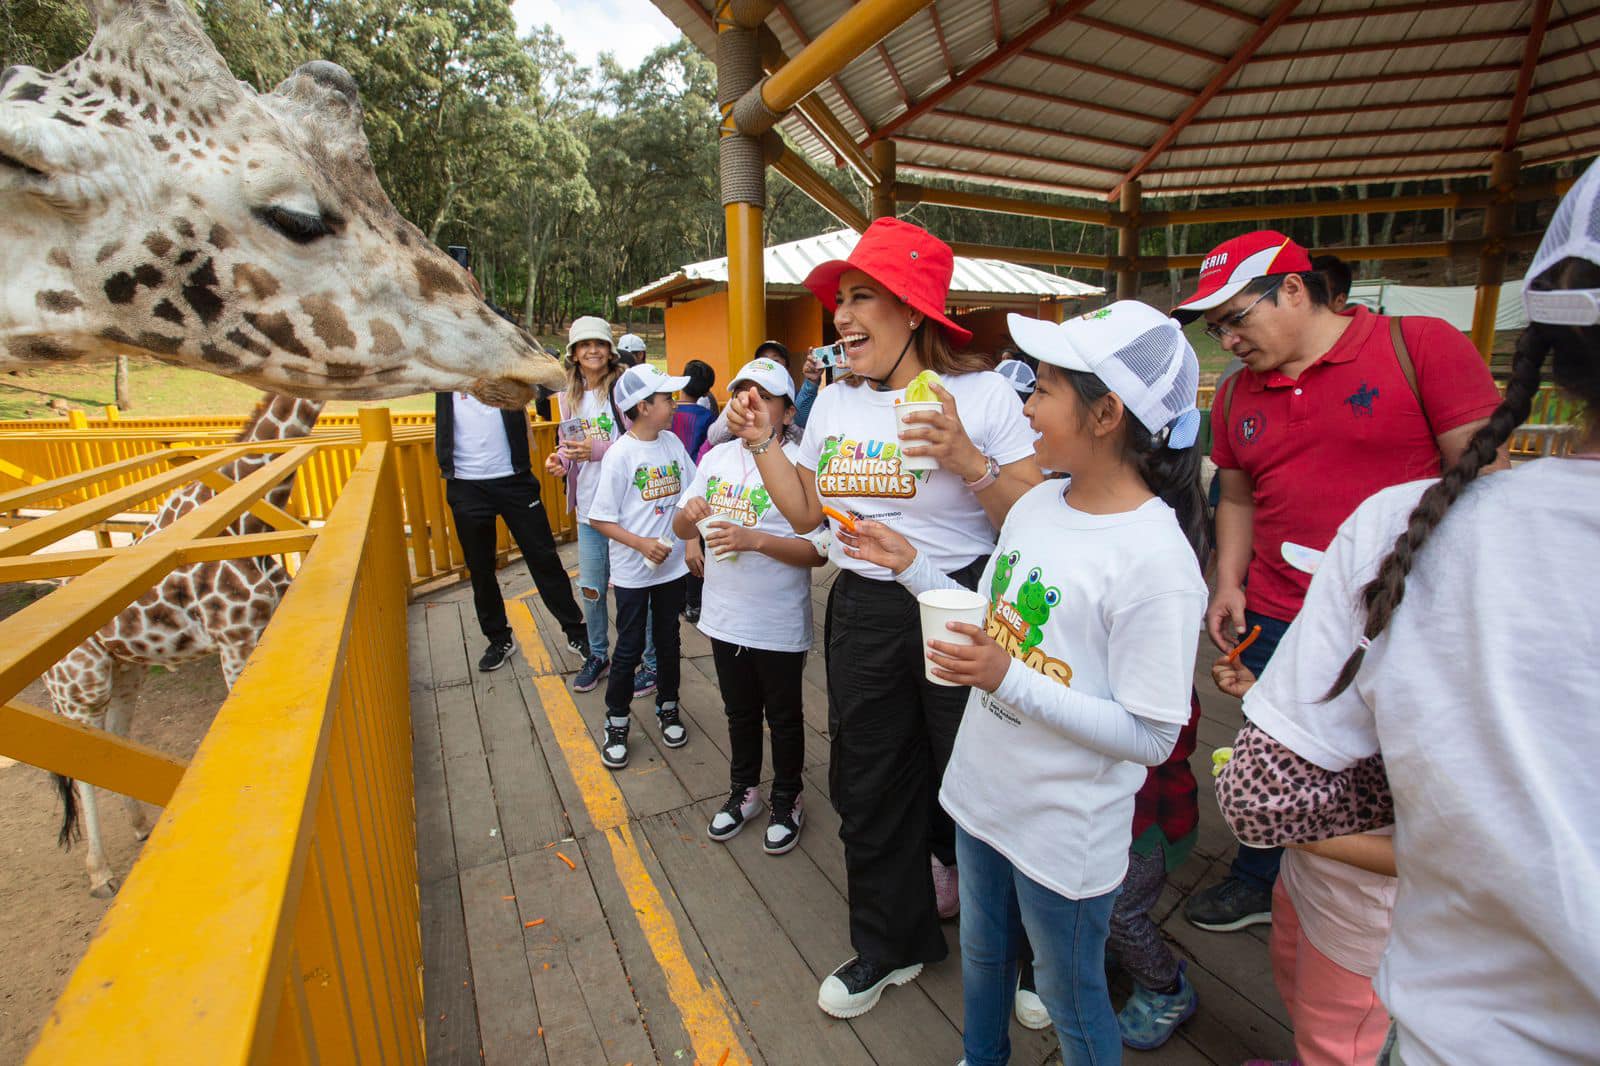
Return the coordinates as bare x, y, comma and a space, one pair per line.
273, 912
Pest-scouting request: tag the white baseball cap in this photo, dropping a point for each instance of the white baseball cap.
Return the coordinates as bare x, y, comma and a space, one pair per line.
587, 328
1140, 354
630, 342
640, 383
768, 374
1574, 233
1018, 374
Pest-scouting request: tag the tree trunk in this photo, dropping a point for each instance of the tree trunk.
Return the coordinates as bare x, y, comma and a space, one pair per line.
123, 390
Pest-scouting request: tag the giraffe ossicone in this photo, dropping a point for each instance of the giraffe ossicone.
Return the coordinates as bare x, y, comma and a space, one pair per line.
151, 202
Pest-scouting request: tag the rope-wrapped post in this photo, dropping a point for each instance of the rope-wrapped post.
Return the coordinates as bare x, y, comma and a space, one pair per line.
883, 205
742, 170
1497, 220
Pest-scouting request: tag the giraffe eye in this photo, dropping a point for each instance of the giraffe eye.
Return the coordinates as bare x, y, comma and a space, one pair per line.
299, 226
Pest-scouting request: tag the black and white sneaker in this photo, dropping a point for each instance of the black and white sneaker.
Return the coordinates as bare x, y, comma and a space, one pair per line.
854, 988
498, 654
614, 750
578, 646
743, 804
783, 828
673, 733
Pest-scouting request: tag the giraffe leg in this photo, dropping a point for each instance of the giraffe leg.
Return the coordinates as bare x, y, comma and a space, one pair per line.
126, 681
101, 884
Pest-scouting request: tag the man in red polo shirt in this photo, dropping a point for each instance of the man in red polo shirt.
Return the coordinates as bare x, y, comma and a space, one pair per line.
1326, 412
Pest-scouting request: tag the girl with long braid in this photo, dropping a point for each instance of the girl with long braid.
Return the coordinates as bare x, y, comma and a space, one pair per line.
1442, 678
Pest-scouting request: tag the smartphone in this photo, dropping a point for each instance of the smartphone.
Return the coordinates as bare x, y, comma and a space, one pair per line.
570, 429
832, 356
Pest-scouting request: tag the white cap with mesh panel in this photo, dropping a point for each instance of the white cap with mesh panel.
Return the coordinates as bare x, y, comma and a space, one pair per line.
1574, 233
630, 342
640, 383
1140, 354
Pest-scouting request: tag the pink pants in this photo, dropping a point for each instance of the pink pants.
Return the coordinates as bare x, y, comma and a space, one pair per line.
1337, 1018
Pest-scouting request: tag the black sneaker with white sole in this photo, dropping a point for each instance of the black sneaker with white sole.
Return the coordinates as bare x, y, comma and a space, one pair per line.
614, 749
673, 733
783, 828
1228, 906
497, 655
743, 804
855, 988
578, 645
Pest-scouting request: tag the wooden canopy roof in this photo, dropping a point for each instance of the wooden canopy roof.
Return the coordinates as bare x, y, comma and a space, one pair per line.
1081, 96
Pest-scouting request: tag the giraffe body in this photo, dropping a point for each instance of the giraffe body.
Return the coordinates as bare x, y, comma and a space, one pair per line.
151, 202
217, 607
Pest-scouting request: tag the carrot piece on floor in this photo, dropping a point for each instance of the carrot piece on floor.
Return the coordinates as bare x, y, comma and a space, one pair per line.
570, 864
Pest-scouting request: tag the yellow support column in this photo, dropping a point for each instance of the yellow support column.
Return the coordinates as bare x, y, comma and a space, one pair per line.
883, 205
743, 177
1128, 243
747, 303
1497, 221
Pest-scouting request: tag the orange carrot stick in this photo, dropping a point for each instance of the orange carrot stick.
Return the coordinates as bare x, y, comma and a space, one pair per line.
570, 864
1242, 645
840, 517
530, 925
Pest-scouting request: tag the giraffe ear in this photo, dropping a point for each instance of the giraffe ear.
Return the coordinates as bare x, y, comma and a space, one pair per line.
324, 95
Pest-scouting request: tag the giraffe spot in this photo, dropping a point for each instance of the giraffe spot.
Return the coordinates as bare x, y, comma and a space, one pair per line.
182, 642
403, 235
107, 251
58, 257
254, 282
159, 342
328, 322
28, 92
221, 237
159, 143
168, 118
385, 338
279, 330
150, 112
133, 97
435, 277
115, 118
60, 301
62, 116
217, 357
116, 336
345, 371
161, 616
240, 339
43, 348
159, 244
120, 287
186, 258
185, 228
115, 86
201, 293
168, 310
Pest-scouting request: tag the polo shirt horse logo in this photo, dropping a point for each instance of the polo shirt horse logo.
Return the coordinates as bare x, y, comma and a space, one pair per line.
1360, 401
1250, 427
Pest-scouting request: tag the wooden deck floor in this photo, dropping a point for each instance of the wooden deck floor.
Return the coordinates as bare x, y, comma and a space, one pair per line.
657, 945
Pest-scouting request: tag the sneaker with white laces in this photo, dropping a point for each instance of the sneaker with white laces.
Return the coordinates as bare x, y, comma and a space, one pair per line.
593, 669
497, 655
578, 644
783, 828
1149, 1018
614, 750
644, 682
855, 988
743, 804
673, 732
946, 888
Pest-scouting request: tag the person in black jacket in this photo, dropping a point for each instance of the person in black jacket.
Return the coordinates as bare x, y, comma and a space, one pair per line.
484, 457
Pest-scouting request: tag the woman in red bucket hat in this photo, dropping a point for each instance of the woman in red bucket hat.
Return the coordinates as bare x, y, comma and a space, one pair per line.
892, 728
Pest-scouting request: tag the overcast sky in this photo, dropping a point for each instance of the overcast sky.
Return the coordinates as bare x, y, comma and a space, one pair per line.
629, 29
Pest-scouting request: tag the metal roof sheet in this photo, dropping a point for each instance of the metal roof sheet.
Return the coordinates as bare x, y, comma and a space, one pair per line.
786, 266
1341, 91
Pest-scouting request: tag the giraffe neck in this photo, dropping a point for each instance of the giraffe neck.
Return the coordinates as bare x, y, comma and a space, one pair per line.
276, 417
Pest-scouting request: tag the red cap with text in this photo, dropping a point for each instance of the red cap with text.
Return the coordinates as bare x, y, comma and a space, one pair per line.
1232, 265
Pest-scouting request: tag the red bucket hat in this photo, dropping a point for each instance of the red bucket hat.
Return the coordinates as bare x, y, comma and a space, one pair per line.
907, 260
1232, 265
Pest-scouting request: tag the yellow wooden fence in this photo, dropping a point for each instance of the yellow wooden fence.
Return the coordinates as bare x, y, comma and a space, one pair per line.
273, 913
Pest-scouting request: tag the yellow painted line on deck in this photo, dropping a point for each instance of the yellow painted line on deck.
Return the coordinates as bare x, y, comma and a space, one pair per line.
703, 1007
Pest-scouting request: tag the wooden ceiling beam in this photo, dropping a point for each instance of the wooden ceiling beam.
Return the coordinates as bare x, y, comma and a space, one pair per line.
1151, 39
1223, 10
1062, 101
1582, 48
1342, 160
1373, 79
1558, 135
1044, 25
1345, 135
1345, 112
894, 75
1425, 7
971, 177
1038, 131
1573, 20
1004, 153
1235, 63
1557, 112
1107, 72
1388, 46
1318, 181
1530, 60
944, 46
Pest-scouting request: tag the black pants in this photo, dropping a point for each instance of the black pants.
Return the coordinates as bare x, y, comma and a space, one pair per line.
657, 606
892, 733
475, 505
754, 680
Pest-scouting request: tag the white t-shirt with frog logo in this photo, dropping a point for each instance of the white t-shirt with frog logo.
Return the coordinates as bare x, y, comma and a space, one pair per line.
640, 485
851, 444
598, 422
1110, 606
752, 600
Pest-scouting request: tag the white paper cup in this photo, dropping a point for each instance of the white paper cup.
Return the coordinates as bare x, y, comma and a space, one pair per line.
710, 522
902, 411
939, 606
669, 540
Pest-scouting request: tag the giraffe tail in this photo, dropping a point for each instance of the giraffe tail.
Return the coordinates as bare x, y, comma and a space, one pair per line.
71, 825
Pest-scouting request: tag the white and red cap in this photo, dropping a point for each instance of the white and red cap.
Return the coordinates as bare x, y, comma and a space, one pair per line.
1232, 265
768, 374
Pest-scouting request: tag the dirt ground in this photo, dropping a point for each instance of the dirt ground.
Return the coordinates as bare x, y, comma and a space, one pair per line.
46, 913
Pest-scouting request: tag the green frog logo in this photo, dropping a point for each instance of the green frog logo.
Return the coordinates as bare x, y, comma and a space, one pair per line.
1034, 603
604, 423
641, 477
1004, 566
760, 502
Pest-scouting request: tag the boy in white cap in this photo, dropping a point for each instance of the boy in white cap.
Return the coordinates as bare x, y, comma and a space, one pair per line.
642, 478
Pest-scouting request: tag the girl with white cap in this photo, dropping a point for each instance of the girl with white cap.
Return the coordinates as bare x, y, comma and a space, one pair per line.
1442, 677
1080, 677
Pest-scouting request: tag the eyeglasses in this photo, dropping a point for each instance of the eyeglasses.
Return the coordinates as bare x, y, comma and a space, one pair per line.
1229, 326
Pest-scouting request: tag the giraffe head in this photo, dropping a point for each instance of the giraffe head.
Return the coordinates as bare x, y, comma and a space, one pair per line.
150, 201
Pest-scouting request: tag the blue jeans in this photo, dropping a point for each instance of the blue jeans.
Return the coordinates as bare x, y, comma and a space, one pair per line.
998, 903
1258, 867
594, 575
